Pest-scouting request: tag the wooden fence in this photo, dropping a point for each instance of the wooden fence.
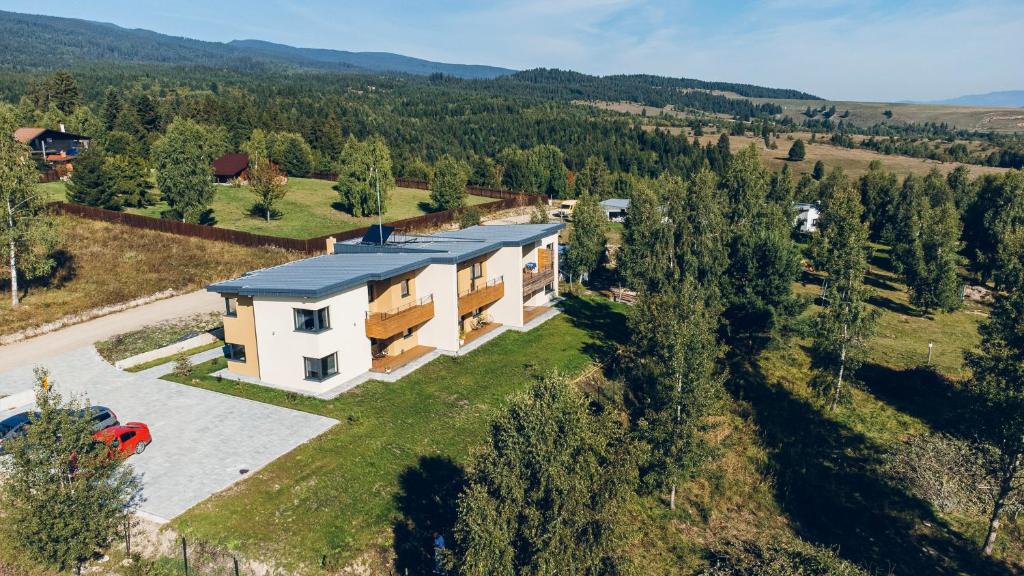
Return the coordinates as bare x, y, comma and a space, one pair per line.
504, 201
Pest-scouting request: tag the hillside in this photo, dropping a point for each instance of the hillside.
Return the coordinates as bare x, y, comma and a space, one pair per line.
1003, 99
70, 42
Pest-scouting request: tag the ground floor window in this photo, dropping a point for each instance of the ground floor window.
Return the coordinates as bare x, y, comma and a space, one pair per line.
234, 352
321, 368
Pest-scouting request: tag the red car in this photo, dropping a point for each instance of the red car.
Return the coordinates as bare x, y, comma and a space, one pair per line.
125, 439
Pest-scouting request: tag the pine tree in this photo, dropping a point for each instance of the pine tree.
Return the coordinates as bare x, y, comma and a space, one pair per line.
644, 259
586, 240
797, 152
62, 91
448, 184
90, 184
65, 498
998, 386
127, 180
879, 189
818, 172
594, 179
701, 232
547, 492
746, 183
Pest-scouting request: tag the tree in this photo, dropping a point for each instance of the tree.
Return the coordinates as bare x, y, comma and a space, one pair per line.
89, 183
257, 148
818, 172
746, 183
962, 186
448, 184
879, 189
539, 215
62, 91
994, 227
364, 175
268, 184
782, 190
291, 153
183, 159
929, 257
469, 217
644, 260
594, 179
676, 380
127, 180
546, 494
845, 322
758, 284
702, 234
998, 385
587, 239
65, 498
27, 233
797, 152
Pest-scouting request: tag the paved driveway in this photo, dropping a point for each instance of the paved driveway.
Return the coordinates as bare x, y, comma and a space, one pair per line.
201, 439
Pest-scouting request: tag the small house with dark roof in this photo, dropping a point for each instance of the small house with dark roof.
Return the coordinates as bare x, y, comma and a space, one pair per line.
231, 167
52, 145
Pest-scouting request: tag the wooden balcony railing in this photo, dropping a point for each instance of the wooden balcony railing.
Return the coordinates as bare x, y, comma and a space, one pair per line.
481, 295
534, 282
382, 325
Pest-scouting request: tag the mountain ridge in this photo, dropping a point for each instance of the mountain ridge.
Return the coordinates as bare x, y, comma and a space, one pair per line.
997, 99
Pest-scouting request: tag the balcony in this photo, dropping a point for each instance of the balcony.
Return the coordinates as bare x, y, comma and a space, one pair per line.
534, 282
383, 325
481, 294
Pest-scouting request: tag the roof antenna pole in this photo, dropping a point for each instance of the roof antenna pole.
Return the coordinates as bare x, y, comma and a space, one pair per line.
380, 216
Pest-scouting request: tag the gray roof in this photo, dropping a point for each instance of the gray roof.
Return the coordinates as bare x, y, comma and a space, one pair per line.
615, 204
354, 264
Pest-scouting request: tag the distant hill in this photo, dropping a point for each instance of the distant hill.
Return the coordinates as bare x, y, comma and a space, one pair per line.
377, 61
48, 42
1001, 99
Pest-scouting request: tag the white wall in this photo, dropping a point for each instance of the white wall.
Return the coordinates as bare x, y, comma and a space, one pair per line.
441, 331
282, 348
508, 263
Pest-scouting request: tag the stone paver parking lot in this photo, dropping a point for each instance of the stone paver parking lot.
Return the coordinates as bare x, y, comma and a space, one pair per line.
202, 440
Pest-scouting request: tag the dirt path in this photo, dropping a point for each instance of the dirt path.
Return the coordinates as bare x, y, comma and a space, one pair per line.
64, 340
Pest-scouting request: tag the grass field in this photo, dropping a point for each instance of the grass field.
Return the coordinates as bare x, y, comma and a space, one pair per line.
100, 264
358, 485
853, 161
309, 209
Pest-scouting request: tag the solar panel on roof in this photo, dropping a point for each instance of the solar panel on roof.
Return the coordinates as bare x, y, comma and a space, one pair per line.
378, 234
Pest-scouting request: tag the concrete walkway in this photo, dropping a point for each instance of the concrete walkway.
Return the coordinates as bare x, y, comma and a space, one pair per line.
85, 334
203, 442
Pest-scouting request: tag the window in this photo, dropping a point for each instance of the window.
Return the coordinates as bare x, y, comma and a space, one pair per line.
312, 320
321, 368
231, 306
234, 352
478, 270
405, 287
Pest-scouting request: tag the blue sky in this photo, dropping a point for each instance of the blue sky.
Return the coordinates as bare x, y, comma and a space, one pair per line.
840, 49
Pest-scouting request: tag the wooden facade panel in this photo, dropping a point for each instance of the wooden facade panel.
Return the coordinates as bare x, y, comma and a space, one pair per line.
382, 326
479, 298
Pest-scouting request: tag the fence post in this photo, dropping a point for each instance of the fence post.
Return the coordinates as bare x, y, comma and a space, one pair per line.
184, 554
128, 537
235, 562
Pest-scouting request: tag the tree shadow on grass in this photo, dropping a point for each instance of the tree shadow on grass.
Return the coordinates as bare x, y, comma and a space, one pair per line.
427, 499
880, 281
827, 482
597, 318
922, 393
892, 305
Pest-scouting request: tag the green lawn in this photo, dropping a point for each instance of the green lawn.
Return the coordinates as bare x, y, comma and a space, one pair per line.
348, 490
309, 209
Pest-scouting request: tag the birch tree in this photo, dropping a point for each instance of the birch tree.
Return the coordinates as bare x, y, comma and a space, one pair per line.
28, 234
998, 385
845, 323
677, 381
